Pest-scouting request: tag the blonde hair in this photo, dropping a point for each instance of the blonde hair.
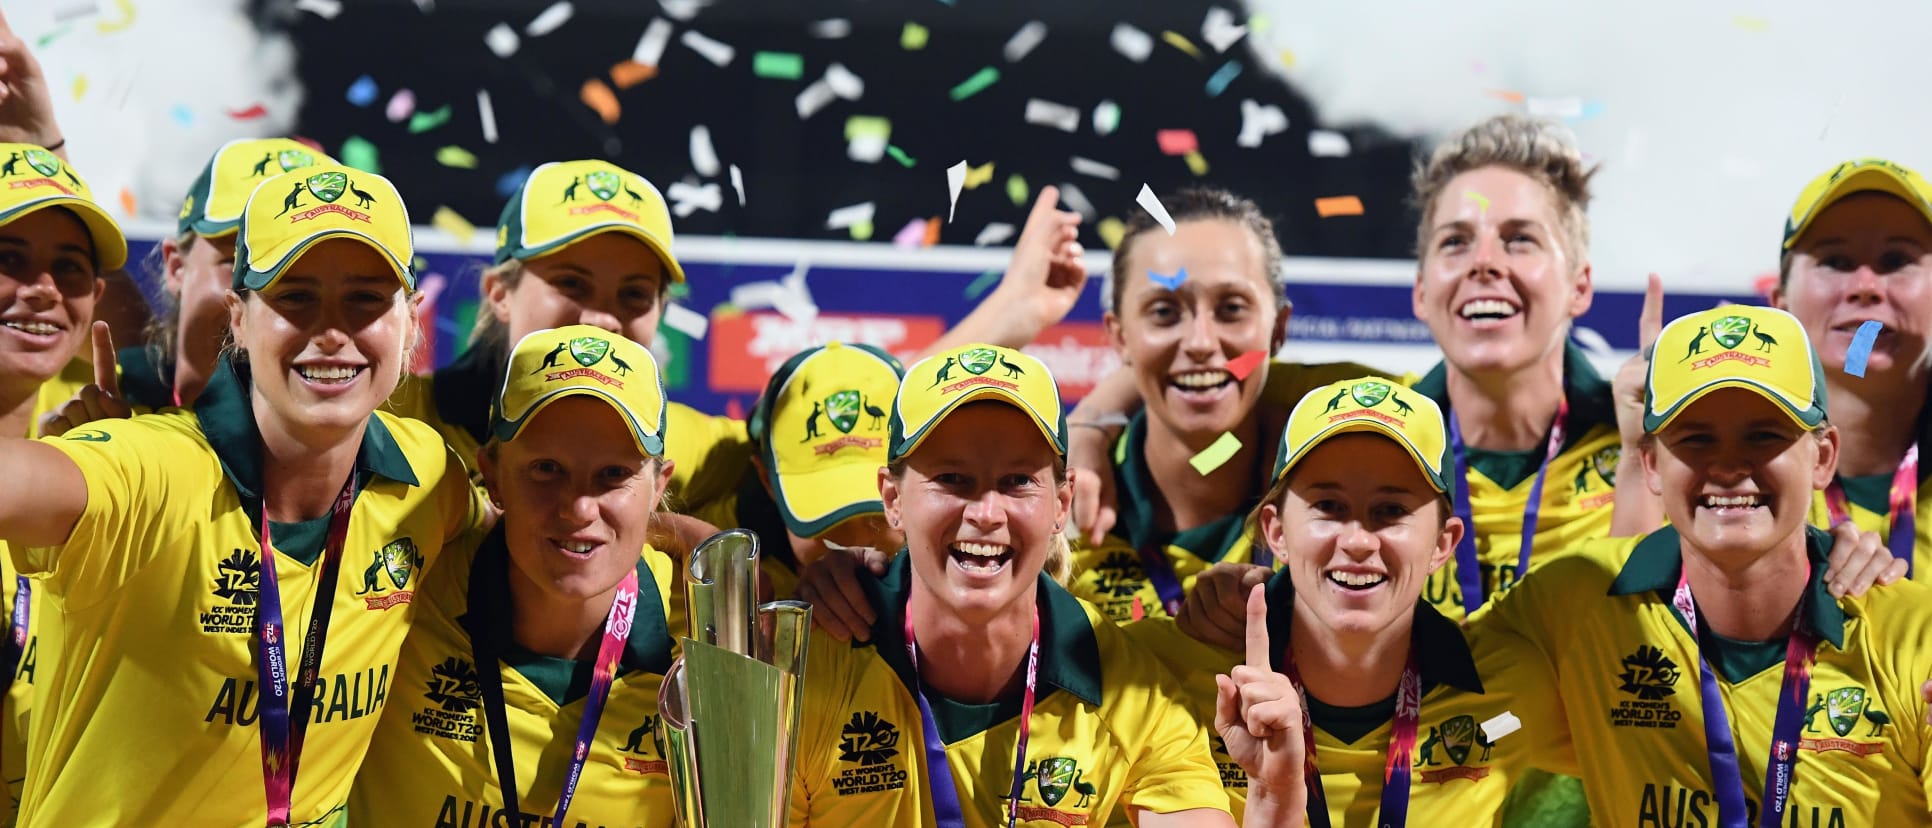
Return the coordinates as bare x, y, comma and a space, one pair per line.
164, 328
1059, 559
1539, 149
489, 331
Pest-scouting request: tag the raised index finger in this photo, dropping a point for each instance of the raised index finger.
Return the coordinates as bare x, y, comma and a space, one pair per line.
1259, 655
1651, 322
104, 360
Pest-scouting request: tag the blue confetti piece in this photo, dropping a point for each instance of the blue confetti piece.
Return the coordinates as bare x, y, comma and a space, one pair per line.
507, 184
1861, 347
182, 115
1592, 109
1169, 282
363, 92
1218, 82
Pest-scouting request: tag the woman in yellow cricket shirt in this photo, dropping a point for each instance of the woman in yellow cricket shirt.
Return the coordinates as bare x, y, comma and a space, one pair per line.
55, 243
1707, 674
1857, 252
179, 553
550, 634
988, 660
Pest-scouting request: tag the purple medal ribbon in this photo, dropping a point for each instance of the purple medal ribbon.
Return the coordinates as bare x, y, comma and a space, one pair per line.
285, 704
1468, 569
1395, 775
945, 794
17, 642
1781, 769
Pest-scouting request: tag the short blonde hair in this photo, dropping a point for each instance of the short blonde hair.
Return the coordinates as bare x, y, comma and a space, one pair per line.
1539, 149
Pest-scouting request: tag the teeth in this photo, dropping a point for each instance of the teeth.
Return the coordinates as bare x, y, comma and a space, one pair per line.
1202, 379
980, 550
578, 547
327, 372
1488, 307
1715, 502
39, 328
1357, 579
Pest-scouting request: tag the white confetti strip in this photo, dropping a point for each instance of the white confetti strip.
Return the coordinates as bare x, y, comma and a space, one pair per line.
650, 47
325, 9
558, 14
1258, 122
843, 83
832, 29
1106, 117
1023, 41
502, 40
1152, 204
703, 157
1220, 30
719, 54
1326, 143
1088, 166
1077, 200
813, 98
738, 183
1132, 43
1047, 113
867, 148
1504, 724
994, 233
682, 9
686, 321
955, 181
486, 113
844, 217
687, 198
1554, 107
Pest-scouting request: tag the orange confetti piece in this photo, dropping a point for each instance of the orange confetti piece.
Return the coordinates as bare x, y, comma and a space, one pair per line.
630, 73
127, 202
1332, 206
932, 232
598, 96
1512, 97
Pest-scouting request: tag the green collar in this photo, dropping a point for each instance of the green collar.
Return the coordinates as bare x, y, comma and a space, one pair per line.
1069, 652
757, 513
1442, 654
228, 420
144, 381
1591, 400
1211, 541
462, 390
1657, 560
648, 649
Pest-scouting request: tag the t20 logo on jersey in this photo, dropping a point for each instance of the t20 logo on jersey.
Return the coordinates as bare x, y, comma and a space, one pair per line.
1651, 677
872, 742
237, 586
453, 691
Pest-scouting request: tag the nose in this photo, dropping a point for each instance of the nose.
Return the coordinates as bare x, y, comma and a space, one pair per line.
987, 511
1484, 257
579, 508
1200, 341
1865, 287
1356, 541
598, 317
38, 291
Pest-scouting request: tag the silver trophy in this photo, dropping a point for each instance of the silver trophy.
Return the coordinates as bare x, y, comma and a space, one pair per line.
730, 703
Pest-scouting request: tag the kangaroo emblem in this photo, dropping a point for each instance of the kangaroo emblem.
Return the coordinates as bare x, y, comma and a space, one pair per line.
261, 167
1336, 401
945, 373
11, 165
623, 368
293, 201
1427, 755
570, 192
550, 359
811, 422
1401, 407
369, 576
1697, 343
362, 199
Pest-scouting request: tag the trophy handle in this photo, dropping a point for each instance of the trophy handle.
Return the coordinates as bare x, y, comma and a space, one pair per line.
722, 590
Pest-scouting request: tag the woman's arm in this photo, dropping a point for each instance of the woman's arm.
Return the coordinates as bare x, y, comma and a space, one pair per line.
42, 493
1043, 281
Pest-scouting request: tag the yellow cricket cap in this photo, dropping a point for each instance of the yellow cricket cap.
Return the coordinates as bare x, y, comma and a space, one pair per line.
1734, 346
1370, 405
214, 204
821, 428
937, 385
31, 178
565, 201
549, 365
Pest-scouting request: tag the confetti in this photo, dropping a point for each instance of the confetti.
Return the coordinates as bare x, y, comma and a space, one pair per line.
969, 87
1176, 141
1076, 200
1482, 201
1751, 24
830, 29
601, 100
400, 105
778, 65
866, 137
629, 73
1180, 41
357, 152
549, 20
813, 98
1220, 30
252, 112
1169, 282
42, 41
1196, 163
910, 236
1287, 58
502, 40
486, 113
127, 202
1152, 204
844, 217
1088, 166
1016, 190
1327, 143
955, 181
900, 156
650, 47
455, 156
1218, 82
843, 83
1258, 122
913, 37
685, 321
1861, 346
682, 9
1217, 455
363, 92
1131, 43
182, 115
718, 53
687, 198
982, 283
80, 86
862, 231
1112, 230
993, 233
1245, 364
1502, 725
1507, 95
1047, 113
325, 9
704, 158
425, 121
1106, 117
1023, 41
453, 223
508, 183
738, 183
68, 11
126, 8
1347, 205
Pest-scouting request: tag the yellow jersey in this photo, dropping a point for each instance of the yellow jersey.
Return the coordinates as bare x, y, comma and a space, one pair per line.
432, 763
1109, 730
1112, 575
1578, 487
147, 613
1627, 670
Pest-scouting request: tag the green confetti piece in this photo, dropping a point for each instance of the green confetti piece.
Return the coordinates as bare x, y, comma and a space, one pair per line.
1016, 189
778, 65
1259, 23
1106, 117
453, 156
1217, 455
900, 156
867, 126
986, 76
43, 40
426, 121
680, 290
861, 230
357, 152
913, 37
983, 283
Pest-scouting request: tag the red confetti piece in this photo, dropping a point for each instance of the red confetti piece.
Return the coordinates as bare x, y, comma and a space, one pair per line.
248, 114
734, 409
1245, 364
1177, 141
127, 201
